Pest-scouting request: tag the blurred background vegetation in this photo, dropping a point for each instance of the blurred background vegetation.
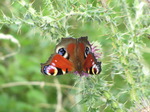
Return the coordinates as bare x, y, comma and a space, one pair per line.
30, 30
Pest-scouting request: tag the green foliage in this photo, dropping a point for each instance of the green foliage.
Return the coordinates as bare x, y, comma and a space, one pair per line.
122, 28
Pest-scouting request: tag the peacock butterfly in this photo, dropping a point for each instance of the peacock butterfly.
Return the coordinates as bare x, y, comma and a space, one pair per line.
72, 55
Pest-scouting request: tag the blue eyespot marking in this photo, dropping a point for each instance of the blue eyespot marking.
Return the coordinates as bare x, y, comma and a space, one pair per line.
62, 51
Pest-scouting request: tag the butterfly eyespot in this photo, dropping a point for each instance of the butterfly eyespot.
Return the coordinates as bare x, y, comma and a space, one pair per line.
96, 69
87, 51
45, 68
62, 52
50, 70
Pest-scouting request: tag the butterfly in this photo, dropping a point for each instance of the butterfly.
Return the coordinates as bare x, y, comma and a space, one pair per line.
72, 55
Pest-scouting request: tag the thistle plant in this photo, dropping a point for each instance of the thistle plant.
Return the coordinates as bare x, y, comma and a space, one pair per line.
121, 31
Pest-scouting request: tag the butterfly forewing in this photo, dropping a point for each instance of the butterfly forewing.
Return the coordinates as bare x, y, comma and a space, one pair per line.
57, 65
91, 66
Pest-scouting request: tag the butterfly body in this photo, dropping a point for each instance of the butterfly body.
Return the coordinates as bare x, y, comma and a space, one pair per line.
72, 55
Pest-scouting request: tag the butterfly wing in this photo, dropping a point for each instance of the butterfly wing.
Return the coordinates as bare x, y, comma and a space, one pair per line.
57, 65
91, 66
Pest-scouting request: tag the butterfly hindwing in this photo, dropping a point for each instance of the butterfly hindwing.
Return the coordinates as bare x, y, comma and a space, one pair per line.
56, 65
